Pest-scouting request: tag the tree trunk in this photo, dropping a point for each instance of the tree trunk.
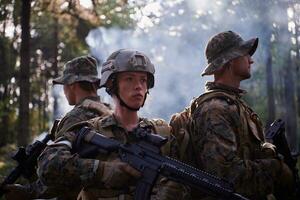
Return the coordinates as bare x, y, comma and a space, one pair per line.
23, 133
270, 88
55, 68
284, 55
297, 61
297, 65
290, 106
4, 119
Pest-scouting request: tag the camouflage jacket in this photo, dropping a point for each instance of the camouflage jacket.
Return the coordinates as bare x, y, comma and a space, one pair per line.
225, 138
61, 167
87, 108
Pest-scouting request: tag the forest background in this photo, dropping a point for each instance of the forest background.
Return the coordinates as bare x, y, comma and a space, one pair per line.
38, 36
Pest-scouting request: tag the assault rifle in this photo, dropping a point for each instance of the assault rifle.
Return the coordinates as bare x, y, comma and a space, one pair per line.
145, 157
27, 159
275, 134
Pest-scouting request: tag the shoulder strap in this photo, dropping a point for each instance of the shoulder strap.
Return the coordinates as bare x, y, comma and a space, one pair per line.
231, 99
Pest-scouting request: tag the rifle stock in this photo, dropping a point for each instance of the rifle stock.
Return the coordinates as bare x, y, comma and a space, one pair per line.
27, 159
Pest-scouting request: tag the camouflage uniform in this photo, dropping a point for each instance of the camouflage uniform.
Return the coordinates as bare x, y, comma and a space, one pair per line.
61, 168
82, 68
222, 135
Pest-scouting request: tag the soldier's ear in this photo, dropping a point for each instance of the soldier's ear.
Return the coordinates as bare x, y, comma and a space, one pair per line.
227, 65
74, 86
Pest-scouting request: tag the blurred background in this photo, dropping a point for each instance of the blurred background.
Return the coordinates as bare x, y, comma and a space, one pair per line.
38, 36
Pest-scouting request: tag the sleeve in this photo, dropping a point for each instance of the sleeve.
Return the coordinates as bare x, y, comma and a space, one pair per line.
58, 167
214, 129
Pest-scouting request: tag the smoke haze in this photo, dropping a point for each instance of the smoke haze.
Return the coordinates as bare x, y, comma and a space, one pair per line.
173, 33
174, 37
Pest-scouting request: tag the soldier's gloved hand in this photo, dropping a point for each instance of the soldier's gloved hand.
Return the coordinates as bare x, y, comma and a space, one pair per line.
18, 192
268, 150
169, 190
117, 174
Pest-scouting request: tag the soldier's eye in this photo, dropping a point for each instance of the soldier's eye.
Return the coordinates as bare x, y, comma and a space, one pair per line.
143, 80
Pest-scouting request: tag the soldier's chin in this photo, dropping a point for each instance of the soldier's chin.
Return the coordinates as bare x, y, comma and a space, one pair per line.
247, 76
136, 106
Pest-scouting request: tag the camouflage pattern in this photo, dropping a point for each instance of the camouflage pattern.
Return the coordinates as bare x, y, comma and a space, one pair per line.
87, 108
61, 167
224, 47
126, 60
82, 68
179, 128
227, 140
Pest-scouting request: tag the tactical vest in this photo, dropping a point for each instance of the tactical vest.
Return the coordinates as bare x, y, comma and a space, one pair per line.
249, 138
159, 127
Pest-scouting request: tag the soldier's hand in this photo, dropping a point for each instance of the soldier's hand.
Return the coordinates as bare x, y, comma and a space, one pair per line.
117, 174
169, 190
17, 192
268, 150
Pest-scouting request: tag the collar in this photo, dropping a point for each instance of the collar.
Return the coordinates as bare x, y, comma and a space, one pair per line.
209, 86
110, 120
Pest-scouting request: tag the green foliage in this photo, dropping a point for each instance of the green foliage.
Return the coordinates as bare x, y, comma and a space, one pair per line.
57, 35
6, 163
115, 13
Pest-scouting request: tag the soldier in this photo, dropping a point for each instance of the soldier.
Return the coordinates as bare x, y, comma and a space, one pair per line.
127, 76
221, 134
80, 81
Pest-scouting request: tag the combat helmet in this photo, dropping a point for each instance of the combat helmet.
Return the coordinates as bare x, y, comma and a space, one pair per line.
127, 60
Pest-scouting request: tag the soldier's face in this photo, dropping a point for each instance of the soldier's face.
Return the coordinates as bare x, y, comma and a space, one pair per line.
241, 67
68, 91
132, 88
